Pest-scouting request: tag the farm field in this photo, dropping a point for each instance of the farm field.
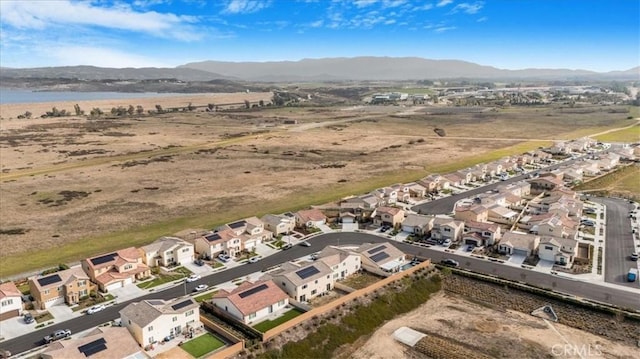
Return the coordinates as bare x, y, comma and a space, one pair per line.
621, 183
86, 186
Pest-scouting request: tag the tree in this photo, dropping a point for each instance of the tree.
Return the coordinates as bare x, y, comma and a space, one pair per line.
211, 107
78, 111
131, 110
190, 107
247, 104
139, 110
96, 112
159, 109
261, 103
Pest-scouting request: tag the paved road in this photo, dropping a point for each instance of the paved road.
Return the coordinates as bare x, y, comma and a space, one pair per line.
581, 289
618, 241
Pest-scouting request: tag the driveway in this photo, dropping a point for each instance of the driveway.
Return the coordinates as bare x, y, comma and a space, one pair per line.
325, 229
350, 227
517, 259
128, 292
62, 312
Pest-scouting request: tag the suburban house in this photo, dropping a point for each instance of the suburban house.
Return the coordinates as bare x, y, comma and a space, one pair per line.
278, 224
402, 192
391, 216
167, 252
310, 218
559, 147
503, 215
589, 168
117, 269
211, 244
342, 262
416, 190
474, 212
432, 183
558, 250
520, 189
381, 257
494, 168
481, 233
100, 343
151, 320
454, 179
10, 301
547, 183
250, 231
387, 195
608, 161
417, 224
516, 243
303, 281
66, 286
556, 226
446, 228
251, 302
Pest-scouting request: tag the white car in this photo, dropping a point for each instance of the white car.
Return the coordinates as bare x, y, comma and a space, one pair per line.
193, 278
96, 309
305, 244
200, 288
254, 259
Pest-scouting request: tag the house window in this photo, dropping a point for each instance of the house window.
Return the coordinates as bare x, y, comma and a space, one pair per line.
304, 286
313, 292
175, 319
316, 281
60, 289
549, 248
446, 229
284, 284
150, 328
252, 315
7, 302
188, 313
185, 250
81, 283
128, 266
281, 303
328, 276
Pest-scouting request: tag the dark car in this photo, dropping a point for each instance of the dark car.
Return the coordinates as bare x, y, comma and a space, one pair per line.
450, 262
199, 262
28, 318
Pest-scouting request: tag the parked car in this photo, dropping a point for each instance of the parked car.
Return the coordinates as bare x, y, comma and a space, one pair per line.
634, 257
305, 244
96, 309
287, 246
254, 259
193, 278
57, 335
446, 242
450, 262
28, 318
470, 248
200, 288
223, 257
199, 262
313, 256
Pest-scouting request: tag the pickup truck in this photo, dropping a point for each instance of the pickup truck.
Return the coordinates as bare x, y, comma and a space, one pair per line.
632, 276
57, 335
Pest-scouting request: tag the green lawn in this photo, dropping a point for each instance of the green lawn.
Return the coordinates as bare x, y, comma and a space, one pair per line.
158, 280
207, 296
269, 324
202, 345
631, 134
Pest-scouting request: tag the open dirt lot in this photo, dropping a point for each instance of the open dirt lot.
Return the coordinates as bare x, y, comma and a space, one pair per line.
73, 180
491, 332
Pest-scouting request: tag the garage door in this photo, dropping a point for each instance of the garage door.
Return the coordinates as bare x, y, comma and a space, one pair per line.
10, 314
472, 241
52, 302
113, 286
520, 252
127, 281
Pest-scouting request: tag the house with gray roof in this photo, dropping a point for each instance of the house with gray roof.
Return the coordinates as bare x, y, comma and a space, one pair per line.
167, 251
303, 281
151, 320
381, 257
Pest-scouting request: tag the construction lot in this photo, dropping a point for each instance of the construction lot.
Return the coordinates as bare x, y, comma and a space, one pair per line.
114, 183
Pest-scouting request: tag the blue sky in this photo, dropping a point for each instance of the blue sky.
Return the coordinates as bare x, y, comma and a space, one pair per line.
511, 34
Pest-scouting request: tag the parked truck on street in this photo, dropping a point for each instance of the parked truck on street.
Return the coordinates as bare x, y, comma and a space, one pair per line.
632, 276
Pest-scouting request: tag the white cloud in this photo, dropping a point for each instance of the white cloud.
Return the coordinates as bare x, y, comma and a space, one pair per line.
40, 15
468, 8
390, 22
101, 57
393, 3
482, 19
364, 3
442, 3
245, 6
316, 24
423, 7
442, 29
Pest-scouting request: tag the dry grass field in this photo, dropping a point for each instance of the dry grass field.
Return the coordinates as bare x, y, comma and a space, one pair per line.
83, 186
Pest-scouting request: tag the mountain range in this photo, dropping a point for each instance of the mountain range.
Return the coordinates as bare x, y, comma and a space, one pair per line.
326, 69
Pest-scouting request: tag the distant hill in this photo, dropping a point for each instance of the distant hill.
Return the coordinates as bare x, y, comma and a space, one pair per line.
317, 70
388, 68
102, 73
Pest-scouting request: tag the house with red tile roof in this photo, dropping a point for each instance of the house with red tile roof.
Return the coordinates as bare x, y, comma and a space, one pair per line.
10, 301
116, 269
310, 218
252, 302
391, 216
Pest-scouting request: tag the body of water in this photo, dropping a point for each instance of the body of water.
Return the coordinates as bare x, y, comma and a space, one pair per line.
27, 96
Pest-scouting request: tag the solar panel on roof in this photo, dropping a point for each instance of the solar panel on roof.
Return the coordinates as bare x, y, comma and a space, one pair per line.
238, 224
379, 256
103, 259
49, 280
212, 237
376, 249
182, 304
307, 272
93, 347
253, 290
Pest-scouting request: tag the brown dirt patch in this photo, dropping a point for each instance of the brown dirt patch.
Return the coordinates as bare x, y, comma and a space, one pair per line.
462, 326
